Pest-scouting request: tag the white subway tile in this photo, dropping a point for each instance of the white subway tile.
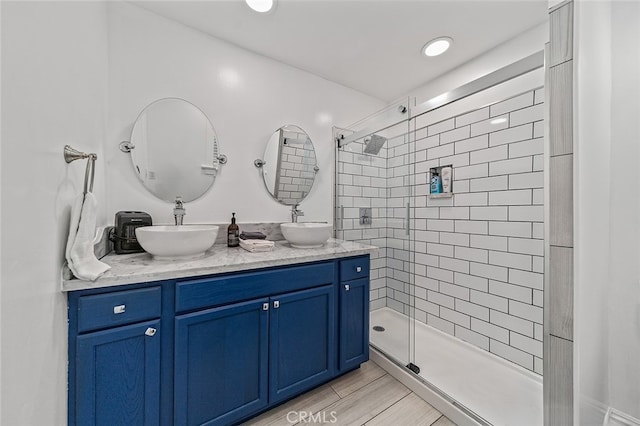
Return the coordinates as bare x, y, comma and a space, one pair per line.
472, 117
488, 213
495, 183
440, 299
510, 260
456, 265
471, 227
440, 151
510, 229
439, 274
526, 344
526, 311
458, 160
454, 135
510, 322
512, 354
474, 171
460, 186
472, 144
528, 279
526, 246
526, 180
493, 272
525, 148
490, 125
429, 236
538, 196
510, 198
488, 242
440, 249
491, 330
426, 283
442, 126
472, 281
489, 154
510, 291
426, 213
454, 291
538, 163
454, 212
426, 259
538, 264
512, 104
515, 165
472, 337
489, 300
440, 225
454, 239
538, 230
538, 332
538, 298
538, 129
426, 143
455, 317
512, 134
526, 213
440, 324
471, 309
471, 254
526, 115
470, 199
539, 96
426, 306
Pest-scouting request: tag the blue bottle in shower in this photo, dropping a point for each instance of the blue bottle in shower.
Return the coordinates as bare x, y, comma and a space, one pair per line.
436, 183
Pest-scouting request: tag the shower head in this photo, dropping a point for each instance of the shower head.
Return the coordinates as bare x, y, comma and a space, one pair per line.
374, 145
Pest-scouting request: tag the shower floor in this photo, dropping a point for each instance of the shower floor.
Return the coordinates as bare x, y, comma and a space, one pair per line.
500, 392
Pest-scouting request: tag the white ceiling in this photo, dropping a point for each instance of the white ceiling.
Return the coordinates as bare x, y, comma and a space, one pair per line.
372, 46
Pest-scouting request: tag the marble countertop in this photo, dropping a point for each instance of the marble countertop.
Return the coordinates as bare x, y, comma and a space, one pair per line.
141, 267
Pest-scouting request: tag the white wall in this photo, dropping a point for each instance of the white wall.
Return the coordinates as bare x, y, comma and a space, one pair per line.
607, 295
246, 97
53, 93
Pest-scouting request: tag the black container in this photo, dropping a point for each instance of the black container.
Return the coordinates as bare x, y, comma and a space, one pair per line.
125, 240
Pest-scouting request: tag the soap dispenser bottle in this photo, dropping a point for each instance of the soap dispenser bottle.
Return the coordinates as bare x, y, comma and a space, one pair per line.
233, 233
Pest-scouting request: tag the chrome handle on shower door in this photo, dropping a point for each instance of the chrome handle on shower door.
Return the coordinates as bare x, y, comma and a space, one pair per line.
408, 226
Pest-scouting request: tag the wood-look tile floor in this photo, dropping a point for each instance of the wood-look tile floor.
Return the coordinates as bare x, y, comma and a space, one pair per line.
367, 396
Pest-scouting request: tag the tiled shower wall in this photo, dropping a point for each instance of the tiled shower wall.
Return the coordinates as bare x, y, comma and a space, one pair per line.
297, 161
476, 258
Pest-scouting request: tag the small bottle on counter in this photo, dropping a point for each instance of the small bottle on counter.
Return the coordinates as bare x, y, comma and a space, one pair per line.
233, 233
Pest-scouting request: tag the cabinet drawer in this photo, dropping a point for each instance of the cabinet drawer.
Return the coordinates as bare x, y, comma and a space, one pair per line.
355, 268
216, 291
118, 308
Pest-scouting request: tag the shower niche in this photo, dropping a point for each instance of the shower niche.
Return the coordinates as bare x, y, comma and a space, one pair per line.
441, 181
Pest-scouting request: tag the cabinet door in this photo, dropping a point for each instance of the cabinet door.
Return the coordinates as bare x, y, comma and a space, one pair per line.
118, 376
354, 323
302, 350
221, 363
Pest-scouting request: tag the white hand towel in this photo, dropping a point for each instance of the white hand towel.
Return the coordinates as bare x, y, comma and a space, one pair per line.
254, 246
79, 253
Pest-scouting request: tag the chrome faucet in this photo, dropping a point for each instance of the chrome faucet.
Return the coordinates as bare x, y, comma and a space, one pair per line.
179, 211
295, 213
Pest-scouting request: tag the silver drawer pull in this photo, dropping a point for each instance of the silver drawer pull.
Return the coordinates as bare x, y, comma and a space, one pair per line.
276, 304
119, 309
150, 332
346, 287
265, 306
358, 268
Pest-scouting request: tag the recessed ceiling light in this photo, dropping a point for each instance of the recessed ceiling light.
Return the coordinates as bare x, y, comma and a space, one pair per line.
262, 6
437, 46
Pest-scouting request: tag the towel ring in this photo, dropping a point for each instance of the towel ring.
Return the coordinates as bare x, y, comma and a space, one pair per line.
72, 154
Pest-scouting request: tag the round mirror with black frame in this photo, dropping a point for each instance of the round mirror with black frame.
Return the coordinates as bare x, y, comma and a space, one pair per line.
174, 150
289, 165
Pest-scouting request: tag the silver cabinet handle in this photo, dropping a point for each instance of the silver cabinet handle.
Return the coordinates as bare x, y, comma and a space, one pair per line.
120, 309
276, 304
150, 332
347, 287
358, 268
265, 306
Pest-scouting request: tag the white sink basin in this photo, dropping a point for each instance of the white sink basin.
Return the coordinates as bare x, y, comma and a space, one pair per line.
176, 242
306, 235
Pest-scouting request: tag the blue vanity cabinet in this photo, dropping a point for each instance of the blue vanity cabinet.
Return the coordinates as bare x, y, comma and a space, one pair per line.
115, 353
354, 312
302, 346
221, 364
